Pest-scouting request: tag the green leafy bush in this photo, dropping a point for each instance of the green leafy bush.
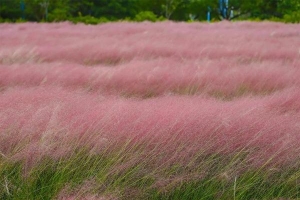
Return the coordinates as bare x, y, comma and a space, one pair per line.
89, 20
5, 20
20, 20
58, 14
147, 16
293, 17
255, 19
275, 19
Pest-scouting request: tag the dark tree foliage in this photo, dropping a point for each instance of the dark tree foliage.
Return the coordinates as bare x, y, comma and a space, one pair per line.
179, 10
10, 9
115, 9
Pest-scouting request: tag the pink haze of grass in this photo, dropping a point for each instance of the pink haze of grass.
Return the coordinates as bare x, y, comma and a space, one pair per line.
177, 88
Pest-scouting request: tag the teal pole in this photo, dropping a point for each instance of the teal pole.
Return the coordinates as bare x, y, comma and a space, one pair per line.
22, 6
208, 14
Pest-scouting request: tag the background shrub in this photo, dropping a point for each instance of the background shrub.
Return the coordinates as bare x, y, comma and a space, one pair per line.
146, 16
293, 17
89, 20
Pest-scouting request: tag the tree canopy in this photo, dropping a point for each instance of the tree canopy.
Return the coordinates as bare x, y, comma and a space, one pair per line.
178, 10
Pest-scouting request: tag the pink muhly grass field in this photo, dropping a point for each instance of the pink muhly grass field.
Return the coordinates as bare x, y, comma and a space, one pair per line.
172, 90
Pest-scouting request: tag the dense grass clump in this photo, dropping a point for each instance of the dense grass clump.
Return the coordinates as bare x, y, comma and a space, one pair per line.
150, 111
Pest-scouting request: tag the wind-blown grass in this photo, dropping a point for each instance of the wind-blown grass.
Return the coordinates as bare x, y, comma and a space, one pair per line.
149, 111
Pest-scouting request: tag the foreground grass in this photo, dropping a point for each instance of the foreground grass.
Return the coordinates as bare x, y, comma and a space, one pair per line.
117, 176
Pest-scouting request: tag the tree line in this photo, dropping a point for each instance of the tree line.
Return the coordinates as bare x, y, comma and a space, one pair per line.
96, 11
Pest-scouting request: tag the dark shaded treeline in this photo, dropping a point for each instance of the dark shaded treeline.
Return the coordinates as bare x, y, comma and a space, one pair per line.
178, 10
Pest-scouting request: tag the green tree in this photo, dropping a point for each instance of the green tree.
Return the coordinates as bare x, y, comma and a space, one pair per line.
151, 5
290, 10
170, 9
288, 6
34, 11
200, 8
115, 9
81, 7
10, 9
179, 10
170, 6
59, 10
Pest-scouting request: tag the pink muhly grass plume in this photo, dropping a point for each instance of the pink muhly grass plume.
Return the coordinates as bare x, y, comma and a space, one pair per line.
158, 77
176, 93
168, 57
52, 122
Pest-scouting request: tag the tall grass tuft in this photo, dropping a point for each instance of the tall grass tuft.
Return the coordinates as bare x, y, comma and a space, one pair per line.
149, 111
